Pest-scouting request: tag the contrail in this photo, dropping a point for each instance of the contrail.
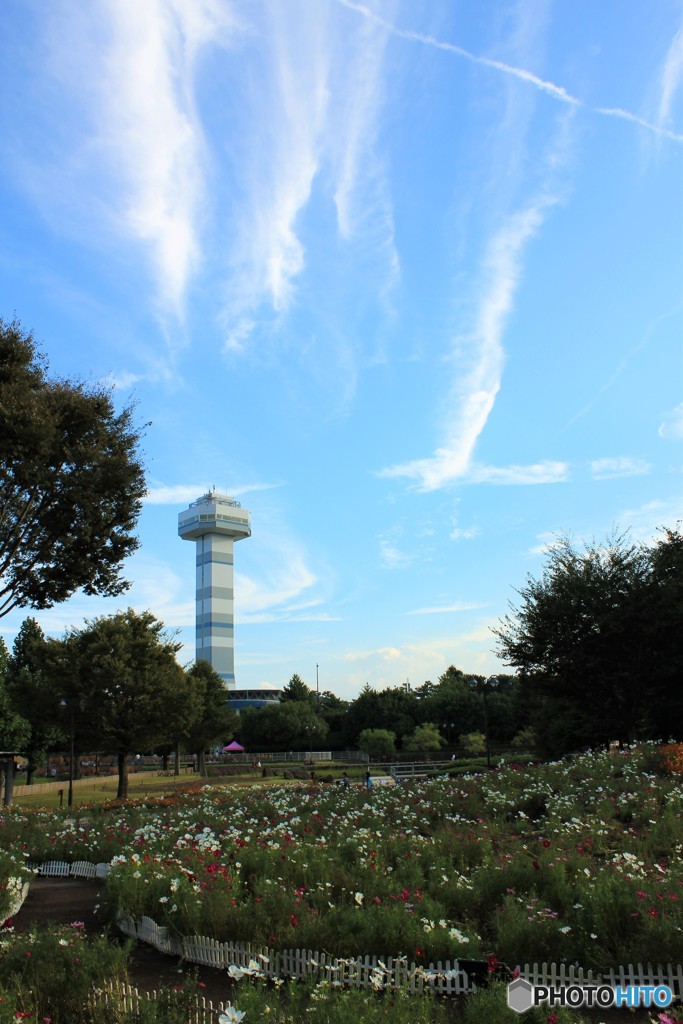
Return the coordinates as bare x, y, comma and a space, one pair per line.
557, 92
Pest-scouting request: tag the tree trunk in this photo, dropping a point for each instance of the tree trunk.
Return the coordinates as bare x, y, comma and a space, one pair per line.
122, 791
201, 761
164, 762
30, 769
176, 766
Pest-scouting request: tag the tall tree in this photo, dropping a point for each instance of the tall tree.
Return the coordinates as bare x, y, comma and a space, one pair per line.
296, 689
33, 696
126, 677
71, 482
216, 720
292, 725
585, 640
14, 730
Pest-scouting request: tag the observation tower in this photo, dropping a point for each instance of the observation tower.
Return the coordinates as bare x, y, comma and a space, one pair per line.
215, 522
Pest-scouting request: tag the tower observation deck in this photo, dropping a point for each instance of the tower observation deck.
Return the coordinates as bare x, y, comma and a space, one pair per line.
215, 522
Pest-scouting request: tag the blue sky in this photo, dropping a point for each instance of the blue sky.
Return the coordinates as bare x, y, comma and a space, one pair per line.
406, 278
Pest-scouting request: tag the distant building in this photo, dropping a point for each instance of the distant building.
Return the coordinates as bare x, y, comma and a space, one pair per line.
215, 522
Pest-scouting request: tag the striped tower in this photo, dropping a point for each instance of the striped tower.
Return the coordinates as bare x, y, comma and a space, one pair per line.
215, 522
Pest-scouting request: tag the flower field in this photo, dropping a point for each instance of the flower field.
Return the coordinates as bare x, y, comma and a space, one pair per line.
577, 861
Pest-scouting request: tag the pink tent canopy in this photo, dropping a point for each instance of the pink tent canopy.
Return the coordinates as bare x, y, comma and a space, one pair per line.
233, 747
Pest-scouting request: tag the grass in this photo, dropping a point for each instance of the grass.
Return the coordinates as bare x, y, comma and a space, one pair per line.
102, 789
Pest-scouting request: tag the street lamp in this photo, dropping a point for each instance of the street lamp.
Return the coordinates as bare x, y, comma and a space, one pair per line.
64, 706
488, 684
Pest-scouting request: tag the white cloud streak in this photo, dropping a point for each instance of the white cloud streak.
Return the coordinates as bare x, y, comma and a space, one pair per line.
444, 609
613, 468
671, 427
474, 390
183, 494
555, 92
547, 472
672, 77
149, 133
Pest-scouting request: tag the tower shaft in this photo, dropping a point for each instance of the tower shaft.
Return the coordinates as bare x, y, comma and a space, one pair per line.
215, 522
215, 604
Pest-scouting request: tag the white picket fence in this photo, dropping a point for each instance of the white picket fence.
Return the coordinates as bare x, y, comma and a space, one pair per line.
121, 996
360, 972
77, 869
445, 977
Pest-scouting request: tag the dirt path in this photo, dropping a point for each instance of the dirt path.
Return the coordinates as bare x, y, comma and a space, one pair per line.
64, 900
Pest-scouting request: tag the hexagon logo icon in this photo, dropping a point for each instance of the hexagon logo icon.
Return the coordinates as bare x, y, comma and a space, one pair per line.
520, 995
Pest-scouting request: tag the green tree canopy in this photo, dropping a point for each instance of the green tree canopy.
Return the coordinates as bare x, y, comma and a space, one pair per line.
15, 731
596, 644
377, 743
123, 672
292, 725
425, 738
29, 683
296, 689
216, 720
71, 481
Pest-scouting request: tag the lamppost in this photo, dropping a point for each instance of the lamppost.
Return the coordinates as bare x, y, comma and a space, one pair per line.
317, 688
64, 706
488, 684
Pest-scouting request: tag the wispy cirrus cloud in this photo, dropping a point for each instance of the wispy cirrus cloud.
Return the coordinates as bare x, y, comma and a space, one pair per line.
547, 472
671, 78
671, 427
183, 494
555, 92
309, 122
612, 468
445, 609
392, 557
142, 163
479, 357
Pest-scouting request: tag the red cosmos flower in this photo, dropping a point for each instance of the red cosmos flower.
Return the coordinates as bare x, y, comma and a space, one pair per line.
653, 913
553, 1018
376, 899
546, 843
418, 951
293, 921
641, 895
536, 865
492, 962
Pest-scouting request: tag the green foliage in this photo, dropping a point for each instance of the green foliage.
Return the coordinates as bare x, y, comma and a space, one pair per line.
33, 696
292, 725
425, 737
473, 742
377, 743
297, 690
50, 974
71, 478
215, 720
524, 740
122, 672
597, 645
